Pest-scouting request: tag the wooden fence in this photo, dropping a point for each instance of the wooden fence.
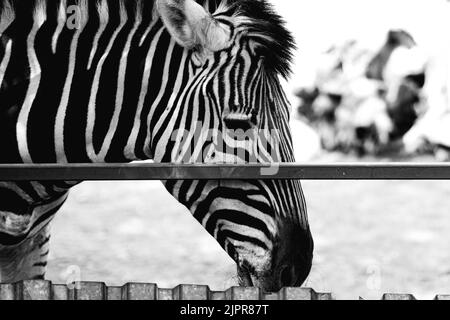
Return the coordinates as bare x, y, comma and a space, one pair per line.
45, 290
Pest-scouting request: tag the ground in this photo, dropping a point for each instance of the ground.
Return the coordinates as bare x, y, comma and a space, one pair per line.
371, 238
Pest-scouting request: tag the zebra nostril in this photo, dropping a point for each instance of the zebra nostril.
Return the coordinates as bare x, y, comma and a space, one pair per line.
287, 276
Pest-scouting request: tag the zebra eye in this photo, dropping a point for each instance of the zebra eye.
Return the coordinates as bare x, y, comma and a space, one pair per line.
240, 122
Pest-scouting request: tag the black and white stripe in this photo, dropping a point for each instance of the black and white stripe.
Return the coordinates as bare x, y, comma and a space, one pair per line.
121, 87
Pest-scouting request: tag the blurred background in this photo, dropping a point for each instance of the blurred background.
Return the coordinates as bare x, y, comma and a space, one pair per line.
370, 83
370, 78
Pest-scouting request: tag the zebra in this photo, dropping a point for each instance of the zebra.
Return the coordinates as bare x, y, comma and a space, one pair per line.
116, 81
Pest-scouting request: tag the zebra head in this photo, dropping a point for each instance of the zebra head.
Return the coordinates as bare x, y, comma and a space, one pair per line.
228, 106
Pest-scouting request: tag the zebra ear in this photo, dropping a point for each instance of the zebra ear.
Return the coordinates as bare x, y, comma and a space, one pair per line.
192, 26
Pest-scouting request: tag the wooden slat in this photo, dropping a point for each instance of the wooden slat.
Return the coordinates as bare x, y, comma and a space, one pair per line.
46, 290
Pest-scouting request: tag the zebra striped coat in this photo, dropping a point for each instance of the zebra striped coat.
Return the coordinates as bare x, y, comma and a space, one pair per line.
117, 81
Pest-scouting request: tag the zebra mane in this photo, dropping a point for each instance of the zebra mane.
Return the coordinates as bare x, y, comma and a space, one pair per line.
255, 18
260, 22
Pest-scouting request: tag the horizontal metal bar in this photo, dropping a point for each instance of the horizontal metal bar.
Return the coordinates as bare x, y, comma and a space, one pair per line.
337, 171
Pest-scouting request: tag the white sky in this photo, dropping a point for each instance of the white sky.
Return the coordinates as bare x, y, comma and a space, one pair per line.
317, 24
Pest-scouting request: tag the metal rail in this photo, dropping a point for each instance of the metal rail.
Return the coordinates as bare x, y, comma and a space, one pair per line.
336, 171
